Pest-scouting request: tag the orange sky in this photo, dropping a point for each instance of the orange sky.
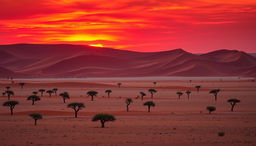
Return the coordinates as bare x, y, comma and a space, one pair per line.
141, 25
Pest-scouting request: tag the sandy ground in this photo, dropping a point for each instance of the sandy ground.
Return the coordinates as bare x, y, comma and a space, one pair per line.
171, 121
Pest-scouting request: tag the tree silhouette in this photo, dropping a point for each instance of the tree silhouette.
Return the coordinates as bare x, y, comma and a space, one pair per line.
233, 102
3, 93
211, 109
9, 93
119, 85
179, 94
34, 92
108, 92
152, 91
50, 92
7, 88
33, 98
215, 93
92, 94
76, 106
142, 94
188, 93
11, 104
154, 83
36, 116
22, 85
128, 101
197, 87
55, 91
65, 96
103, 118
42, 92
149, 104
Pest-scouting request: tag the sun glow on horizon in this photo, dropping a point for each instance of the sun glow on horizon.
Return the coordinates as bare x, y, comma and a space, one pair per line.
97, 45
88, 37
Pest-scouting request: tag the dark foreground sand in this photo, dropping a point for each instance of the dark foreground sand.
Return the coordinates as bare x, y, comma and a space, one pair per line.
172, 122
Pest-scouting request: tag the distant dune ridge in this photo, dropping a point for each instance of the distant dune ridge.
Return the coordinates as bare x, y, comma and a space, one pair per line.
61, 60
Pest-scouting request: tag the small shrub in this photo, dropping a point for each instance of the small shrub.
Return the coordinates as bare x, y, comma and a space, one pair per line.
221, 134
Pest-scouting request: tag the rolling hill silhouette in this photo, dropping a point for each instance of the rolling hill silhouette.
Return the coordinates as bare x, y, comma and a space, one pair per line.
62, 60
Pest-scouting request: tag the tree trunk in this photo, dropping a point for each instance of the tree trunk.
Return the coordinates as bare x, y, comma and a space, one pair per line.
9, 96
33, 102
148, 108
188, 96
102, 124
141, 97
127, 108
50, 95
210, 112
197, 89
35, 121
232, 107
41, 94
76, 114
91, 98
179, 96
108, 95
11, 110
215, 97
152, 95
64, 100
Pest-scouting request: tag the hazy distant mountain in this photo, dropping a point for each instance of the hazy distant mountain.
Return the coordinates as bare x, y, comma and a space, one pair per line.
253, 54
35, 60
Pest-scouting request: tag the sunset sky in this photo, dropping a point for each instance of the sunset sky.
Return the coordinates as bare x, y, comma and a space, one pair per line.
197, 26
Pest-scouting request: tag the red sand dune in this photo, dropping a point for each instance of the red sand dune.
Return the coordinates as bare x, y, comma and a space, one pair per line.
84, 61
5, 71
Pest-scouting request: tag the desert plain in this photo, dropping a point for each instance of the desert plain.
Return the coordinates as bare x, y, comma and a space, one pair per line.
172, 122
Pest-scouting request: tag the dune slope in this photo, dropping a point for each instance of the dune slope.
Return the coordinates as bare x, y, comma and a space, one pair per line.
62, 60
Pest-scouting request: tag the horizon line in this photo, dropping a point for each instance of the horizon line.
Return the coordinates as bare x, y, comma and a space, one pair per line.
199, 53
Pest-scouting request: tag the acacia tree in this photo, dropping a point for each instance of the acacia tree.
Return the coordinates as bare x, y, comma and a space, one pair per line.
103, 118
92, 94
149, 104
7, 88
233, 102
34, 92
42, 92
65, 95
3, 93
211, 109
55, 91
188, 93
36, 116
50, 92
9, 93
22, 85
197, 87
142, 94
179, 94
108, 92
119, 85
154, 83
11, 105
128, 101
76, 106
215, 93
33, 98
152, 91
